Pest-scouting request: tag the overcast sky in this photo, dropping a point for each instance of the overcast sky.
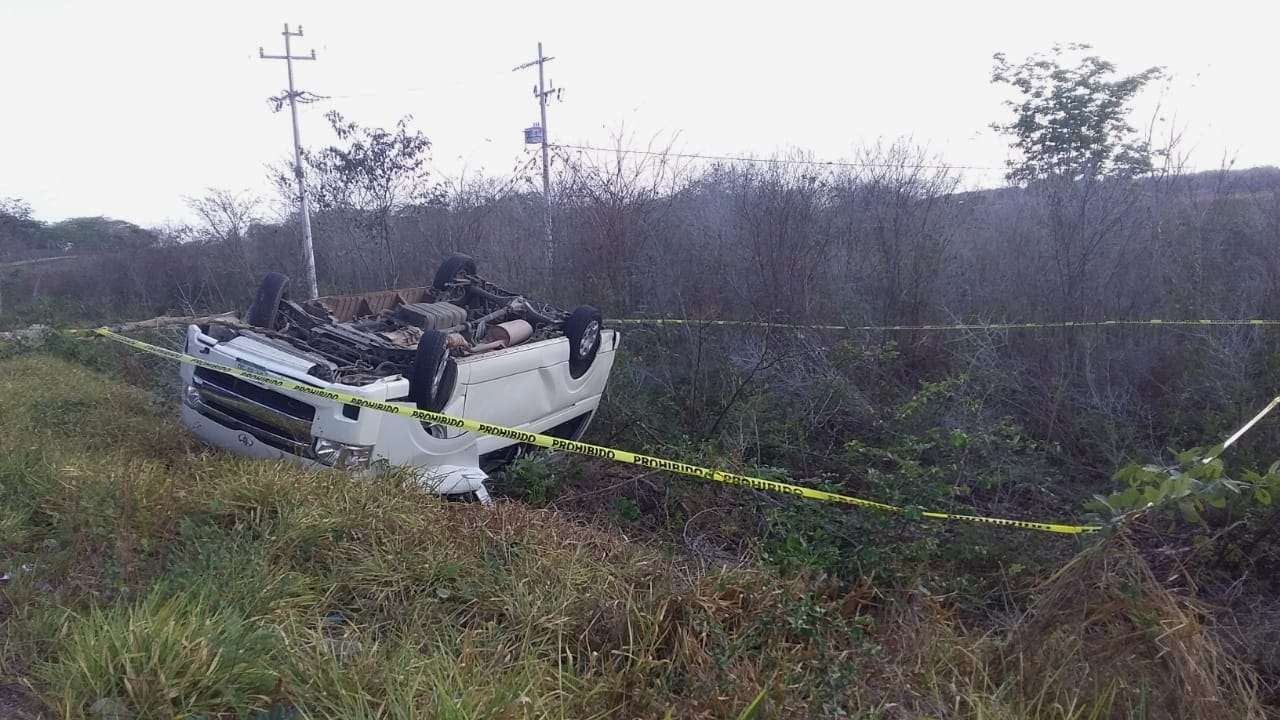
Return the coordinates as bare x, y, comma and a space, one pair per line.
125, 108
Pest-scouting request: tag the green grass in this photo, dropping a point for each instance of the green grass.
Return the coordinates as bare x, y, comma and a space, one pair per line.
165, 654
154, 575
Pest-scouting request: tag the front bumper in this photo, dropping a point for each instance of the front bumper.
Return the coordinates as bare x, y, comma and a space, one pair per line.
244, 441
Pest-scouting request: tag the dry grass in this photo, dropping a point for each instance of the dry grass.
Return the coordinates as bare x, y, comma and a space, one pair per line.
1104, 625
174, 581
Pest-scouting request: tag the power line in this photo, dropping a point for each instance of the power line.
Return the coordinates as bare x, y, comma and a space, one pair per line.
383, 93
781, 161
293, 97
472, 80
517, 175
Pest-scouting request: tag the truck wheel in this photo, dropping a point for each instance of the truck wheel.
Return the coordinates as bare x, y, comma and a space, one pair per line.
265, 310
434, 373
451, 268
583, 330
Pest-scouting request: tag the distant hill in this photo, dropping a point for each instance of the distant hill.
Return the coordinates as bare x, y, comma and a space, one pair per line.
1245, 181
25, 238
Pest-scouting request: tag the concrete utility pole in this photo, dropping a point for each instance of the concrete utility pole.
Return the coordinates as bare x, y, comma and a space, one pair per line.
308, 252
541, 91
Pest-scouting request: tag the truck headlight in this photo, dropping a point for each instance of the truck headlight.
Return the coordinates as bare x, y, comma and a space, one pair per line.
191, 397
327, 451
336, 454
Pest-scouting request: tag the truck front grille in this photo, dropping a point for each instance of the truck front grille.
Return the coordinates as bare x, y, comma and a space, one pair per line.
272, 417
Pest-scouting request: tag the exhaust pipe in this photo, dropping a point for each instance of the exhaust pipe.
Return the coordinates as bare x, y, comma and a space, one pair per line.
512, 332
504, 335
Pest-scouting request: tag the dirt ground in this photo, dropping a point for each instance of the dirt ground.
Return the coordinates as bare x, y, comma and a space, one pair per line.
18, 704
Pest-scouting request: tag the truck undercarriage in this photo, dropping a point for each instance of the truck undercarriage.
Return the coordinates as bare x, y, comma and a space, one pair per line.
357, 339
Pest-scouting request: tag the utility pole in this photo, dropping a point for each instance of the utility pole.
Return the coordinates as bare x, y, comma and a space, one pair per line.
542, 92
288, 57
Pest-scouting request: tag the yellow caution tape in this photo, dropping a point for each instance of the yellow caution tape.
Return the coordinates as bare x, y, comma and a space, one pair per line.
1215, 452
582, 448
937, 328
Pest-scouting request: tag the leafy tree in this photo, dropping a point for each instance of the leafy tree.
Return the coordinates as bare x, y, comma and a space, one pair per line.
19, 232
369, 178
1071, 122
98, 234
1080, 157
377, 168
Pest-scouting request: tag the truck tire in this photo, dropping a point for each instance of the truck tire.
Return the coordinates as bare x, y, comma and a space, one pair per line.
434, 373
583, 331
265, 310
451, 268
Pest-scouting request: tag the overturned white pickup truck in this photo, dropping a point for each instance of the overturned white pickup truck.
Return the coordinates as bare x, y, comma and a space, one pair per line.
463, 347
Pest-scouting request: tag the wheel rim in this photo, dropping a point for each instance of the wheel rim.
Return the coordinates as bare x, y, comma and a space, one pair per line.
589, 337
438, 379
